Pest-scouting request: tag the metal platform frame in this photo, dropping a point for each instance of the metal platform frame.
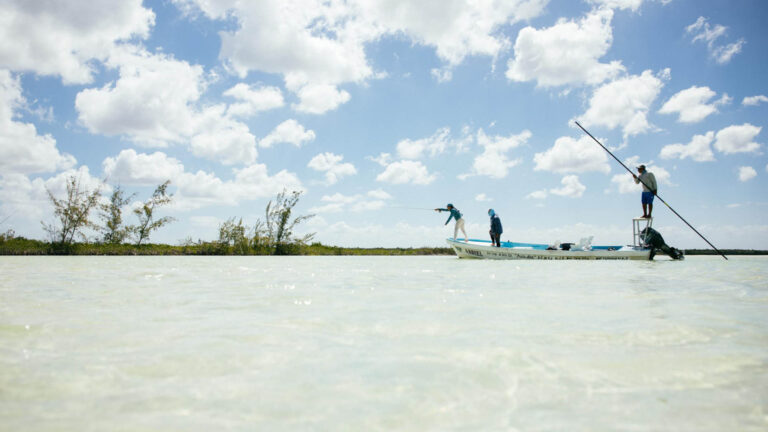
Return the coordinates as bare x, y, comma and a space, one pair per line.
637, 229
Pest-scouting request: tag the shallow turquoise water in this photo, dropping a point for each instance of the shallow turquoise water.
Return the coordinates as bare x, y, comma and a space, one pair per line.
382, 343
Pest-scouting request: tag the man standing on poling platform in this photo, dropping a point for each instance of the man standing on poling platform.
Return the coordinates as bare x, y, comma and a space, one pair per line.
649, 189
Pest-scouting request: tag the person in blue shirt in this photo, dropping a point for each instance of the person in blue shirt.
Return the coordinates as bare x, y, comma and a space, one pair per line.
496, 228
455, 214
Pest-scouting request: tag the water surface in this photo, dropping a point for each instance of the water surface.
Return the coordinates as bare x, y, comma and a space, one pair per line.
382, 343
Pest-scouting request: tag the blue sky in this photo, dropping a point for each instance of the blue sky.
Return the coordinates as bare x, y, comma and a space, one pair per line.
376, 109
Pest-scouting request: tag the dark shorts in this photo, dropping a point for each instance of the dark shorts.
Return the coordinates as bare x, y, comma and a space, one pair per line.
647, 197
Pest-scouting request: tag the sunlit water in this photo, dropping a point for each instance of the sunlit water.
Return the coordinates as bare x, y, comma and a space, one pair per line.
382, 343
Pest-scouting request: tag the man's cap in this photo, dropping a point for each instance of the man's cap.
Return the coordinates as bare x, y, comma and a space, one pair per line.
642, 167
449, 205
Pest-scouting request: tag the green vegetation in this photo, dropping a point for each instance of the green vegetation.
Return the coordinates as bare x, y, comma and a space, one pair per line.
146, 214
72, 212
112, 216
10, 245
273, 236
726, 252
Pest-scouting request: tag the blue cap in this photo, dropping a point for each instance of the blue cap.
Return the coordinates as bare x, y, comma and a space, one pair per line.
491, 212
449, 205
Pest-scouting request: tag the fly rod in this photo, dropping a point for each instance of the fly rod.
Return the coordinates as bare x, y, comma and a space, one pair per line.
657, 195
411, 208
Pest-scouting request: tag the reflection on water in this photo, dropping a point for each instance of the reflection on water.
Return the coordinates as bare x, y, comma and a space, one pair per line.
381, 343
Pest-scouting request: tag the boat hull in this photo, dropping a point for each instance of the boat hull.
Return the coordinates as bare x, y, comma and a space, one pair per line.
475, 249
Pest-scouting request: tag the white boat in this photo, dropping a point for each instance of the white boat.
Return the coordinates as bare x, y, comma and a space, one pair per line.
583, 250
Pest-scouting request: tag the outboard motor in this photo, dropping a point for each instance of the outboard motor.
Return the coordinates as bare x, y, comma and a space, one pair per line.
655, 241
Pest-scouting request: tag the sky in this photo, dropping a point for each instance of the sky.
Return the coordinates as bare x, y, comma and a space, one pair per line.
380, 110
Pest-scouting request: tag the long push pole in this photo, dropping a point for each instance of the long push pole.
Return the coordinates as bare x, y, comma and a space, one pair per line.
657, 195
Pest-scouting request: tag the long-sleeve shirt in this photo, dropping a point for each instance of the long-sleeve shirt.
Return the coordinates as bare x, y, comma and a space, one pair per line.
454, 214
496, 225
648, 180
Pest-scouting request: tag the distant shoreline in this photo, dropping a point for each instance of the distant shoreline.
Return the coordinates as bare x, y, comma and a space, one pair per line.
22, 246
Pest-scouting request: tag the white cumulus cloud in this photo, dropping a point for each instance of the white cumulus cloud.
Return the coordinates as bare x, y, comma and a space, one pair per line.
22, 149
338, 202
131, 168
692, 105
406, 171
289, 131
221, 138
317, 46
746, 173
632, 5
155, 102
698, 149
572, 187
434, 145
320, 98
737, 139
494, 161
149, 102
754, 100
567, 53
331, 164
569, 155
624, 103
60, 38
252, 101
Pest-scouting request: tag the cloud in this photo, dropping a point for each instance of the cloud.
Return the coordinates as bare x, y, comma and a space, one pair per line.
746, 173
202, 189
572, 187
701, 30
332, 166
567, 53
691, 104
754, 100
252, 101
434, 145
737, 139
197, 189
61, 38
379, 194
482, 198
698, 149
355, 203
22, 149
155, 102
568, 155
494, 161
323, 45
632, 5
624, 103
538, 195
289, 131
131, 168
220, 138
406, 171
320, 98
150, 102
